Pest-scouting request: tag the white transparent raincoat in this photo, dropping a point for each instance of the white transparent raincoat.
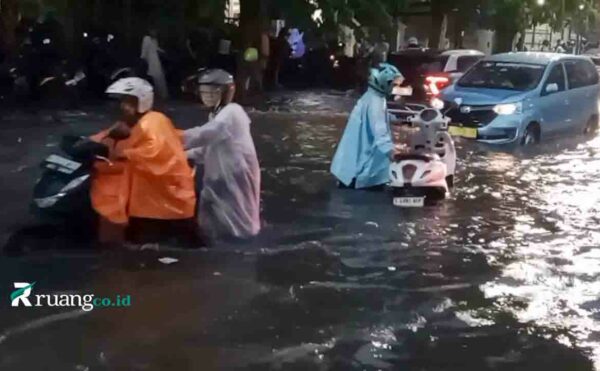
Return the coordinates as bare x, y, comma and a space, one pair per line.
229, 203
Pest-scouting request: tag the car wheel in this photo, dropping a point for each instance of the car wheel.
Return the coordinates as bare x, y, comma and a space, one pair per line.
531, 136
591, 127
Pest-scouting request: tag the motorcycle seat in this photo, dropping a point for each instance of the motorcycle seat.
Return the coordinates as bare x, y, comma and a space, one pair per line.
413, 156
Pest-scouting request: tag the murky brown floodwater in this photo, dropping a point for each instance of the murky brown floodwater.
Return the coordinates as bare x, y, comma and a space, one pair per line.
501, 276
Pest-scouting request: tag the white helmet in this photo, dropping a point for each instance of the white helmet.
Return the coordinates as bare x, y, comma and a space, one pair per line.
135, 87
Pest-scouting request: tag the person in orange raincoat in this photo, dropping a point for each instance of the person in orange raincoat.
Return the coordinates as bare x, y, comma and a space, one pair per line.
147, 175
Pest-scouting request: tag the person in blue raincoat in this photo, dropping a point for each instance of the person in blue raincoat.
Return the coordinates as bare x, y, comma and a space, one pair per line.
363, 155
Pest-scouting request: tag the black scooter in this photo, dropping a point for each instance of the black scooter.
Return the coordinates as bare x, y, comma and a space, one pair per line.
61, 201
63, 190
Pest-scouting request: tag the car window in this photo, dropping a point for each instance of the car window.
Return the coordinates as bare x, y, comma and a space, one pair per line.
466, 61
437, 65
592, 73
580, 74
413, 66
503, 75
556, 76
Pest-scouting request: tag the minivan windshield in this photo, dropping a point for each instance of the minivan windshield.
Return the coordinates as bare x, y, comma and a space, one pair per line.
503, 75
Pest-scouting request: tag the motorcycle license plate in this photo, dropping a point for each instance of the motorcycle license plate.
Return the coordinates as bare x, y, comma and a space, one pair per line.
460, 131
409, 201
61, 164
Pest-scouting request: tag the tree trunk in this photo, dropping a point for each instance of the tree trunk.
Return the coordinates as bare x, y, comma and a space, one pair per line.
97, 15
443, 33
504, 39
70, 25
128, 22
9, 19
181, 24
252, 13
437, 18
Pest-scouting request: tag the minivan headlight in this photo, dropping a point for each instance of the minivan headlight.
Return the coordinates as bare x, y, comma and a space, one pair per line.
509, 108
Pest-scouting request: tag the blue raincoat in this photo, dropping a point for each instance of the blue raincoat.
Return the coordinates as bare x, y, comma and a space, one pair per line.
363, 153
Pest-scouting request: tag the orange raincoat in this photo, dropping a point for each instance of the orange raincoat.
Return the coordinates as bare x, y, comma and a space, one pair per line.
154, 182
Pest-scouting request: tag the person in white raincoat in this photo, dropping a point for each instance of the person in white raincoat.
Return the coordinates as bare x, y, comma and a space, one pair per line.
229, 201
150, 50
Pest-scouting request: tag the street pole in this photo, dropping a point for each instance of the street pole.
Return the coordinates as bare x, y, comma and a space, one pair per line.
128, 18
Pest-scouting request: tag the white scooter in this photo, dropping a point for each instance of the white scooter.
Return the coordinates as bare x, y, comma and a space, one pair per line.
425, 174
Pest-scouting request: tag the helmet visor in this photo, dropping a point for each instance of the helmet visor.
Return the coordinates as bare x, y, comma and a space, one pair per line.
210, 95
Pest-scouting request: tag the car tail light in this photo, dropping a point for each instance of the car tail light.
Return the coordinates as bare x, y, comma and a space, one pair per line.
435, 83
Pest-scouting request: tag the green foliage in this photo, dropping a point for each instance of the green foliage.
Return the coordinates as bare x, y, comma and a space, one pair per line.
298, 12
377, 14
521, 14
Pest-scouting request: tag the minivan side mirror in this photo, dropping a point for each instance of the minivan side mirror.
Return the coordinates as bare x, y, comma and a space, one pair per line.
551, 88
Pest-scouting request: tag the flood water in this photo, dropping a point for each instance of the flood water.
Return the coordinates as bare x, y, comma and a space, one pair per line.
503, 275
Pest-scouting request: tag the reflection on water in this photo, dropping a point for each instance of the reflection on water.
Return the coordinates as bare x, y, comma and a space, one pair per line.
555, 264
501, 276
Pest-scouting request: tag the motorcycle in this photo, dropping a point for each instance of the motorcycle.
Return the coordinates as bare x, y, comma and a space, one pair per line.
424, 174
18, 74
189, 85
62, 192
61, 201
37, 73
63, 85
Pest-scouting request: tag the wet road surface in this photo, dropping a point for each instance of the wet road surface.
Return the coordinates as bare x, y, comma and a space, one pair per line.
501, 276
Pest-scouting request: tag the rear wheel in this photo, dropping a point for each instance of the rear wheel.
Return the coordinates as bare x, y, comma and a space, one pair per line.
531, 136
591, 127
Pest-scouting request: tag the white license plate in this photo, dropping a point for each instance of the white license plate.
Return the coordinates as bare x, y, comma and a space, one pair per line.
409, 201
59, 163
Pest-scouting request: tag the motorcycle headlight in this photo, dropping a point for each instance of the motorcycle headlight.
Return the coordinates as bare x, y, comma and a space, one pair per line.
509, 108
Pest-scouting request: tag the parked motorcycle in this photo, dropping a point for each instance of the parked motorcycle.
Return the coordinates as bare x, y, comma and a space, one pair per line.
104, 63
189, 85
63, 86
